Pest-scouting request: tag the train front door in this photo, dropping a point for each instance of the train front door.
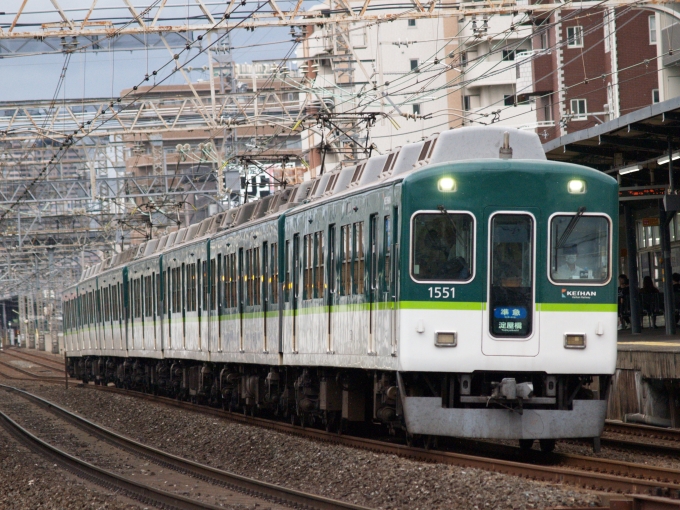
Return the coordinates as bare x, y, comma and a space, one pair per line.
510, 321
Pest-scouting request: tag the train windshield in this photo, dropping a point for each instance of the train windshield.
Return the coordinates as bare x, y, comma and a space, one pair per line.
442, 246
579, 249
511, 293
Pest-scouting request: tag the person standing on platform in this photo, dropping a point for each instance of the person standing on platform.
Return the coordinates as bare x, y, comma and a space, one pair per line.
624, 302
649, 303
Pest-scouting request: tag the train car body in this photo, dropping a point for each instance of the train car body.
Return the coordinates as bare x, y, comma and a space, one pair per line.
438, 290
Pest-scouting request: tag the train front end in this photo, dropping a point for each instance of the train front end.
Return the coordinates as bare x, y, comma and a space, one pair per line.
507, 317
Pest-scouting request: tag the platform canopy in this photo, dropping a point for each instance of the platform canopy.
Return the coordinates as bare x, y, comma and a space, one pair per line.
641, 138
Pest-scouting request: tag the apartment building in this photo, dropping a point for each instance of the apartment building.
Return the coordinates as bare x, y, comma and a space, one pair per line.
379, 85
592, 65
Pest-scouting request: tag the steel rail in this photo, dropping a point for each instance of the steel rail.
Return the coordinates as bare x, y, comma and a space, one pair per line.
37, 377
132, 489
636, 478
634, 429
217, 476
33, 359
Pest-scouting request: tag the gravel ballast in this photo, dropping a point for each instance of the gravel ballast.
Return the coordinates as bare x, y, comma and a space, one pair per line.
29, 481
357, 476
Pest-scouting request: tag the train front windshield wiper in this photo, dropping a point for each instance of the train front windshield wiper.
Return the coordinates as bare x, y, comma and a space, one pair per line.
570, 228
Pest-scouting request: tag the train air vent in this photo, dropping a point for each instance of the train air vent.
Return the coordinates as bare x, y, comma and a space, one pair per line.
330, 185
150, 247
216, 222
204, 226
424, 151
245, 213
191, 232
230, 218
162, 242
171, 239
181, 233
356, 177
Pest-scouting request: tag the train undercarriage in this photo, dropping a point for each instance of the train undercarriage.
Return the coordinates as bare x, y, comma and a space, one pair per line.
341, 399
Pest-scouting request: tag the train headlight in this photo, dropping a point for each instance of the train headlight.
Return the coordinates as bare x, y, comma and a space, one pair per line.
445, 339
574, 340
576, 186
446, 184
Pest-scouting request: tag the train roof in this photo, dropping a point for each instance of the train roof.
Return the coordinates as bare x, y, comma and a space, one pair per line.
460, 144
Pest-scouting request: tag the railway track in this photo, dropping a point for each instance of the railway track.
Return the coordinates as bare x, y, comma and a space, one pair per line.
581, 471
35, 359
251, 490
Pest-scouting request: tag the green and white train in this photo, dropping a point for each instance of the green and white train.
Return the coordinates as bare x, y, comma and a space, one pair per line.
458, 286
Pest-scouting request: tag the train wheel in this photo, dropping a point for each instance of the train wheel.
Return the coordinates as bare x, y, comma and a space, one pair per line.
526, 444
411, 439
429, 442
547, 445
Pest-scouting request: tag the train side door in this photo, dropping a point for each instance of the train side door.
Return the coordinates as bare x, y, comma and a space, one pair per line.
372, 280
332, 284
296, 285
241, 298
265, 293
510, 322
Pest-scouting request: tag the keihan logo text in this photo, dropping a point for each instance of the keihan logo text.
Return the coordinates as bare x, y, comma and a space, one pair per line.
578, 294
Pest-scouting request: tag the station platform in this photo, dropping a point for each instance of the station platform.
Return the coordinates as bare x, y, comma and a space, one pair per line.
647, 378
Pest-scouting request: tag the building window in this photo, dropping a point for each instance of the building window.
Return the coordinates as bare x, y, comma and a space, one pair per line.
414, 65
416, 109
545, 39
575, 37
508, 55
579, 109
411, 23
471, 102
652, 29
655, 95
509, 100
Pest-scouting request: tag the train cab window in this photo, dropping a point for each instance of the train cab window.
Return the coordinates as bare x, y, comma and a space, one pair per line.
579, 249
511, 290
443, 247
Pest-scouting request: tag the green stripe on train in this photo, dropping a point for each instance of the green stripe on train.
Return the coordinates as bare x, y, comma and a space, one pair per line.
576, 307
441, 305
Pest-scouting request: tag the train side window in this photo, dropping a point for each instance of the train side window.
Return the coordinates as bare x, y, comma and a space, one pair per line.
579, 249
345, 260
148, 295
442, 247
387, 250
249, 279
307, 266
331, 259
226, 275
138, 298
205, 300
319, 266
358, 242
275, 273
213, 284
233, 280
257, 281
286, 282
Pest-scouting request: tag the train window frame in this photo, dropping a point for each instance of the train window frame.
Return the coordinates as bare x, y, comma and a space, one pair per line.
473, 272
610, 248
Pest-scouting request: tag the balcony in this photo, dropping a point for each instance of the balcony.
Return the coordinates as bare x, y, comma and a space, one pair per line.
484, 74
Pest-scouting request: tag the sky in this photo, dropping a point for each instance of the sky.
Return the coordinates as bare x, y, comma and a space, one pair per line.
105, 73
